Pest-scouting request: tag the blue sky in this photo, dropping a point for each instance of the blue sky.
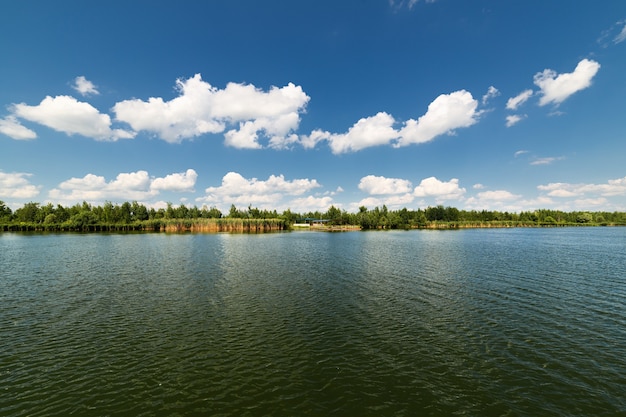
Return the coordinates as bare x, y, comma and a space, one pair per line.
497, 105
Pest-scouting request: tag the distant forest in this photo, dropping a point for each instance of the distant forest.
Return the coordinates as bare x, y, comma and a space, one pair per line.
136, 216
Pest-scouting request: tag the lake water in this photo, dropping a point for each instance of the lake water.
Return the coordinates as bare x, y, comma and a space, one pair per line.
502, 322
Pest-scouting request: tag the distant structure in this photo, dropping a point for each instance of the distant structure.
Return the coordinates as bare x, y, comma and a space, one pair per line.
309, 222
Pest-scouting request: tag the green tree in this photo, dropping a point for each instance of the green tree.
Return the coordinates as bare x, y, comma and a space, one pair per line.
83, 219
125, 213
333, 214
139, 211
211, 213
234, 213
28, 213
5, 212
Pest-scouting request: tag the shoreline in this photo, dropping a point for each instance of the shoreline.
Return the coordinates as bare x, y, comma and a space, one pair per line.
254, 226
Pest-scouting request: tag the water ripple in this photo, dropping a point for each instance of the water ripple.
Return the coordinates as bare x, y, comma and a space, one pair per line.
477, 322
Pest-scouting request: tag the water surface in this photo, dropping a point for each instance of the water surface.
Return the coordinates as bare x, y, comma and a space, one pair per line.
511, 322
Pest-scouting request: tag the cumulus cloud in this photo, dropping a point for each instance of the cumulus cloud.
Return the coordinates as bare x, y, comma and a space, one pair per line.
556, 88
235, 189
514, 102
68, 115
502, 200
126, 186
16, 185
514, 119
391, 201
611, 188
310, 203
201, 108
183, 181
376, 185
441, 190
497, 195
11, 127
369, 131
84, 86
445, 114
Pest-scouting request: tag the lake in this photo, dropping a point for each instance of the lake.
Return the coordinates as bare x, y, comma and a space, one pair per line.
479, 322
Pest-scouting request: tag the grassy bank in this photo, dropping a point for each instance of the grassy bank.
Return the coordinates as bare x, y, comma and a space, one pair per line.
242, 225
158, 225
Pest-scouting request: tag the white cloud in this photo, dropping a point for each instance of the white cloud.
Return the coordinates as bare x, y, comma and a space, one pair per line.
370, 131
375, 185
310, 203
615, 187
84, 86
497, 195
495, 200
547, 160
514, 102
586, 203
397, 4
491, 93
520, 152
478, 186
201, 108
557, 88
16, 185
183, 181
441, 190
514, 119
126, 186
68, 115
95, 188
562, 193
11, 127
445, 114
316, 136
621, 37
235, 189
397, 201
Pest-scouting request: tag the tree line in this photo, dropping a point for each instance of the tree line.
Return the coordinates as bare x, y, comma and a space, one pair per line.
84, 216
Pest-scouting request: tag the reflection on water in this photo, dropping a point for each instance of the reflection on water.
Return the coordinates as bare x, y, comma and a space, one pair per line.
474, 322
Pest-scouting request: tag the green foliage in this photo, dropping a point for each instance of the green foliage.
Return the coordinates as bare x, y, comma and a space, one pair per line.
5, 212
135, 216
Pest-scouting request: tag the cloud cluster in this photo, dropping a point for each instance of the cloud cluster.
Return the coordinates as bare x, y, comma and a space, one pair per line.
615, 187
554, 88
251, 118
247, 112
201, 108
397, 192
68, 115
126, 186
269, 194
375, 185
445, 114
16, 185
